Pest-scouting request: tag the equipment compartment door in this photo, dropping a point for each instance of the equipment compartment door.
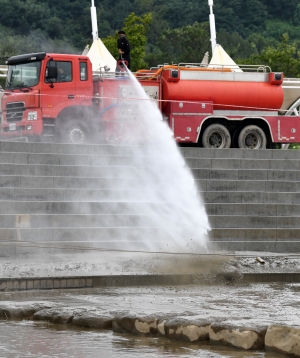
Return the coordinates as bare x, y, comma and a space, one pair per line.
184, 128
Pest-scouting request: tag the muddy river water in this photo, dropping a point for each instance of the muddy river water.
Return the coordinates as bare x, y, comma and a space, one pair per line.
266, 304
41, 340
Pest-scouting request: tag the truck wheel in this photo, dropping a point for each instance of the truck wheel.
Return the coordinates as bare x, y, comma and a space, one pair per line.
74, 133
216, 136
252, 137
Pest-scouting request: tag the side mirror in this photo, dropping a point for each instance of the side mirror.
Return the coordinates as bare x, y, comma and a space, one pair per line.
51, 73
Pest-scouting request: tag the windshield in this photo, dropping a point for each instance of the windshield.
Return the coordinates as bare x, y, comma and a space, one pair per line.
23, 75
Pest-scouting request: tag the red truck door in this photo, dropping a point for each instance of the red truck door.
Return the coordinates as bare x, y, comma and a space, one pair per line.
61, 93
84, 82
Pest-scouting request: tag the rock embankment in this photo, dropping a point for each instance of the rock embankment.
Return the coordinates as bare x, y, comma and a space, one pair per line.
241, 335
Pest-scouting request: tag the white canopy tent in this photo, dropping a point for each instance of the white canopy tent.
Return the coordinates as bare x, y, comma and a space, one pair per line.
100, 56
221, 59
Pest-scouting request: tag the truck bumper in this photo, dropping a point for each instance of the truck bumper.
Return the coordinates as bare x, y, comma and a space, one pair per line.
21, 129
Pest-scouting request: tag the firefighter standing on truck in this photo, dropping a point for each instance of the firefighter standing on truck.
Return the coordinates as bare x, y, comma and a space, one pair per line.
124, 48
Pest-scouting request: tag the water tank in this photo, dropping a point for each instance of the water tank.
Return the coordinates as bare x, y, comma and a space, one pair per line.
228, 91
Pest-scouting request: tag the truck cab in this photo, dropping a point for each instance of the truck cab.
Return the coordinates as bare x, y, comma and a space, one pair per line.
42, 89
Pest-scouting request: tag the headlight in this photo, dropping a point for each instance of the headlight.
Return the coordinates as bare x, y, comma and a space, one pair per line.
32, 116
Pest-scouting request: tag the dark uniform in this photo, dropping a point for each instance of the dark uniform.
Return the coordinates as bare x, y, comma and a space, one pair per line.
124, 45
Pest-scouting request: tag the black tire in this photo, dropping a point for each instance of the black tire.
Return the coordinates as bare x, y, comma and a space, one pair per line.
235, 138
216, 136
252, 137
74, 132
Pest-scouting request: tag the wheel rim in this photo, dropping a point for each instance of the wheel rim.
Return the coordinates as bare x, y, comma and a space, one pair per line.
252, 141
216, 140
77, 136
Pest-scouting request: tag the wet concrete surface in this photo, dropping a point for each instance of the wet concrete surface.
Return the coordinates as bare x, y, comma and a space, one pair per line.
123, 263
260, 303
108, 263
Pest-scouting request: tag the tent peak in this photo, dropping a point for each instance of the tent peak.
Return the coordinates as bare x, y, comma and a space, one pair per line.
221, 59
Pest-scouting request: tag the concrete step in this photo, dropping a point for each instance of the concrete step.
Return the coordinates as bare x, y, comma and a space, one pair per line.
227, 163
121, 238
72, 171
142, 208
83, 234
78, 207
94, 195
127, 172
279, 246
122, 159
239, 153
39, 221
90, 195
253, 222
253, 209
216, 185
56, 148
71, 159
248, 197
248, 185
129, 160
35, 221
253, 234
244, 174
57, 182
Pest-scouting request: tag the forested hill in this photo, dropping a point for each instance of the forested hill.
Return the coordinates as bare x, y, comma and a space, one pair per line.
244, 26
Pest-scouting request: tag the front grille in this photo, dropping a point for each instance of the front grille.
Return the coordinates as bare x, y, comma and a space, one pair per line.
15, 111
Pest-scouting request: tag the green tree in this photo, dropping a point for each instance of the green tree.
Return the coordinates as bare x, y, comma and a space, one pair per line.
259, 42
241, 16
36, 41
186, 44
281, 58
281, 9
136, 28
236, 46
24, 16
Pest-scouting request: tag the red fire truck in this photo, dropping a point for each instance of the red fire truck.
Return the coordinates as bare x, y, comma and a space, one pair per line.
57, 97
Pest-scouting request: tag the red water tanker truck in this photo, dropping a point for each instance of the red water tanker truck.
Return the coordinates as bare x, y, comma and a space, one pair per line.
58, 97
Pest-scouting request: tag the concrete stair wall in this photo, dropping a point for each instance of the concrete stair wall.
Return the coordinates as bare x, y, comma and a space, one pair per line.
252, 197
58, 194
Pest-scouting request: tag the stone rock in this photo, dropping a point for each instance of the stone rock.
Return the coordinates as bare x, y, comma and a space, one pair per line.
19, 310
93, 319
238, 335
57, 315
186, 329
283, 340
161, 327
132, 323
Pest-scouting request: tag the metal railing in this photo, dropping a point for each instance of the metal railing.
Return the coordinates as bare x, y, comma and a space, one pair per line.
3, 70
233, 67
